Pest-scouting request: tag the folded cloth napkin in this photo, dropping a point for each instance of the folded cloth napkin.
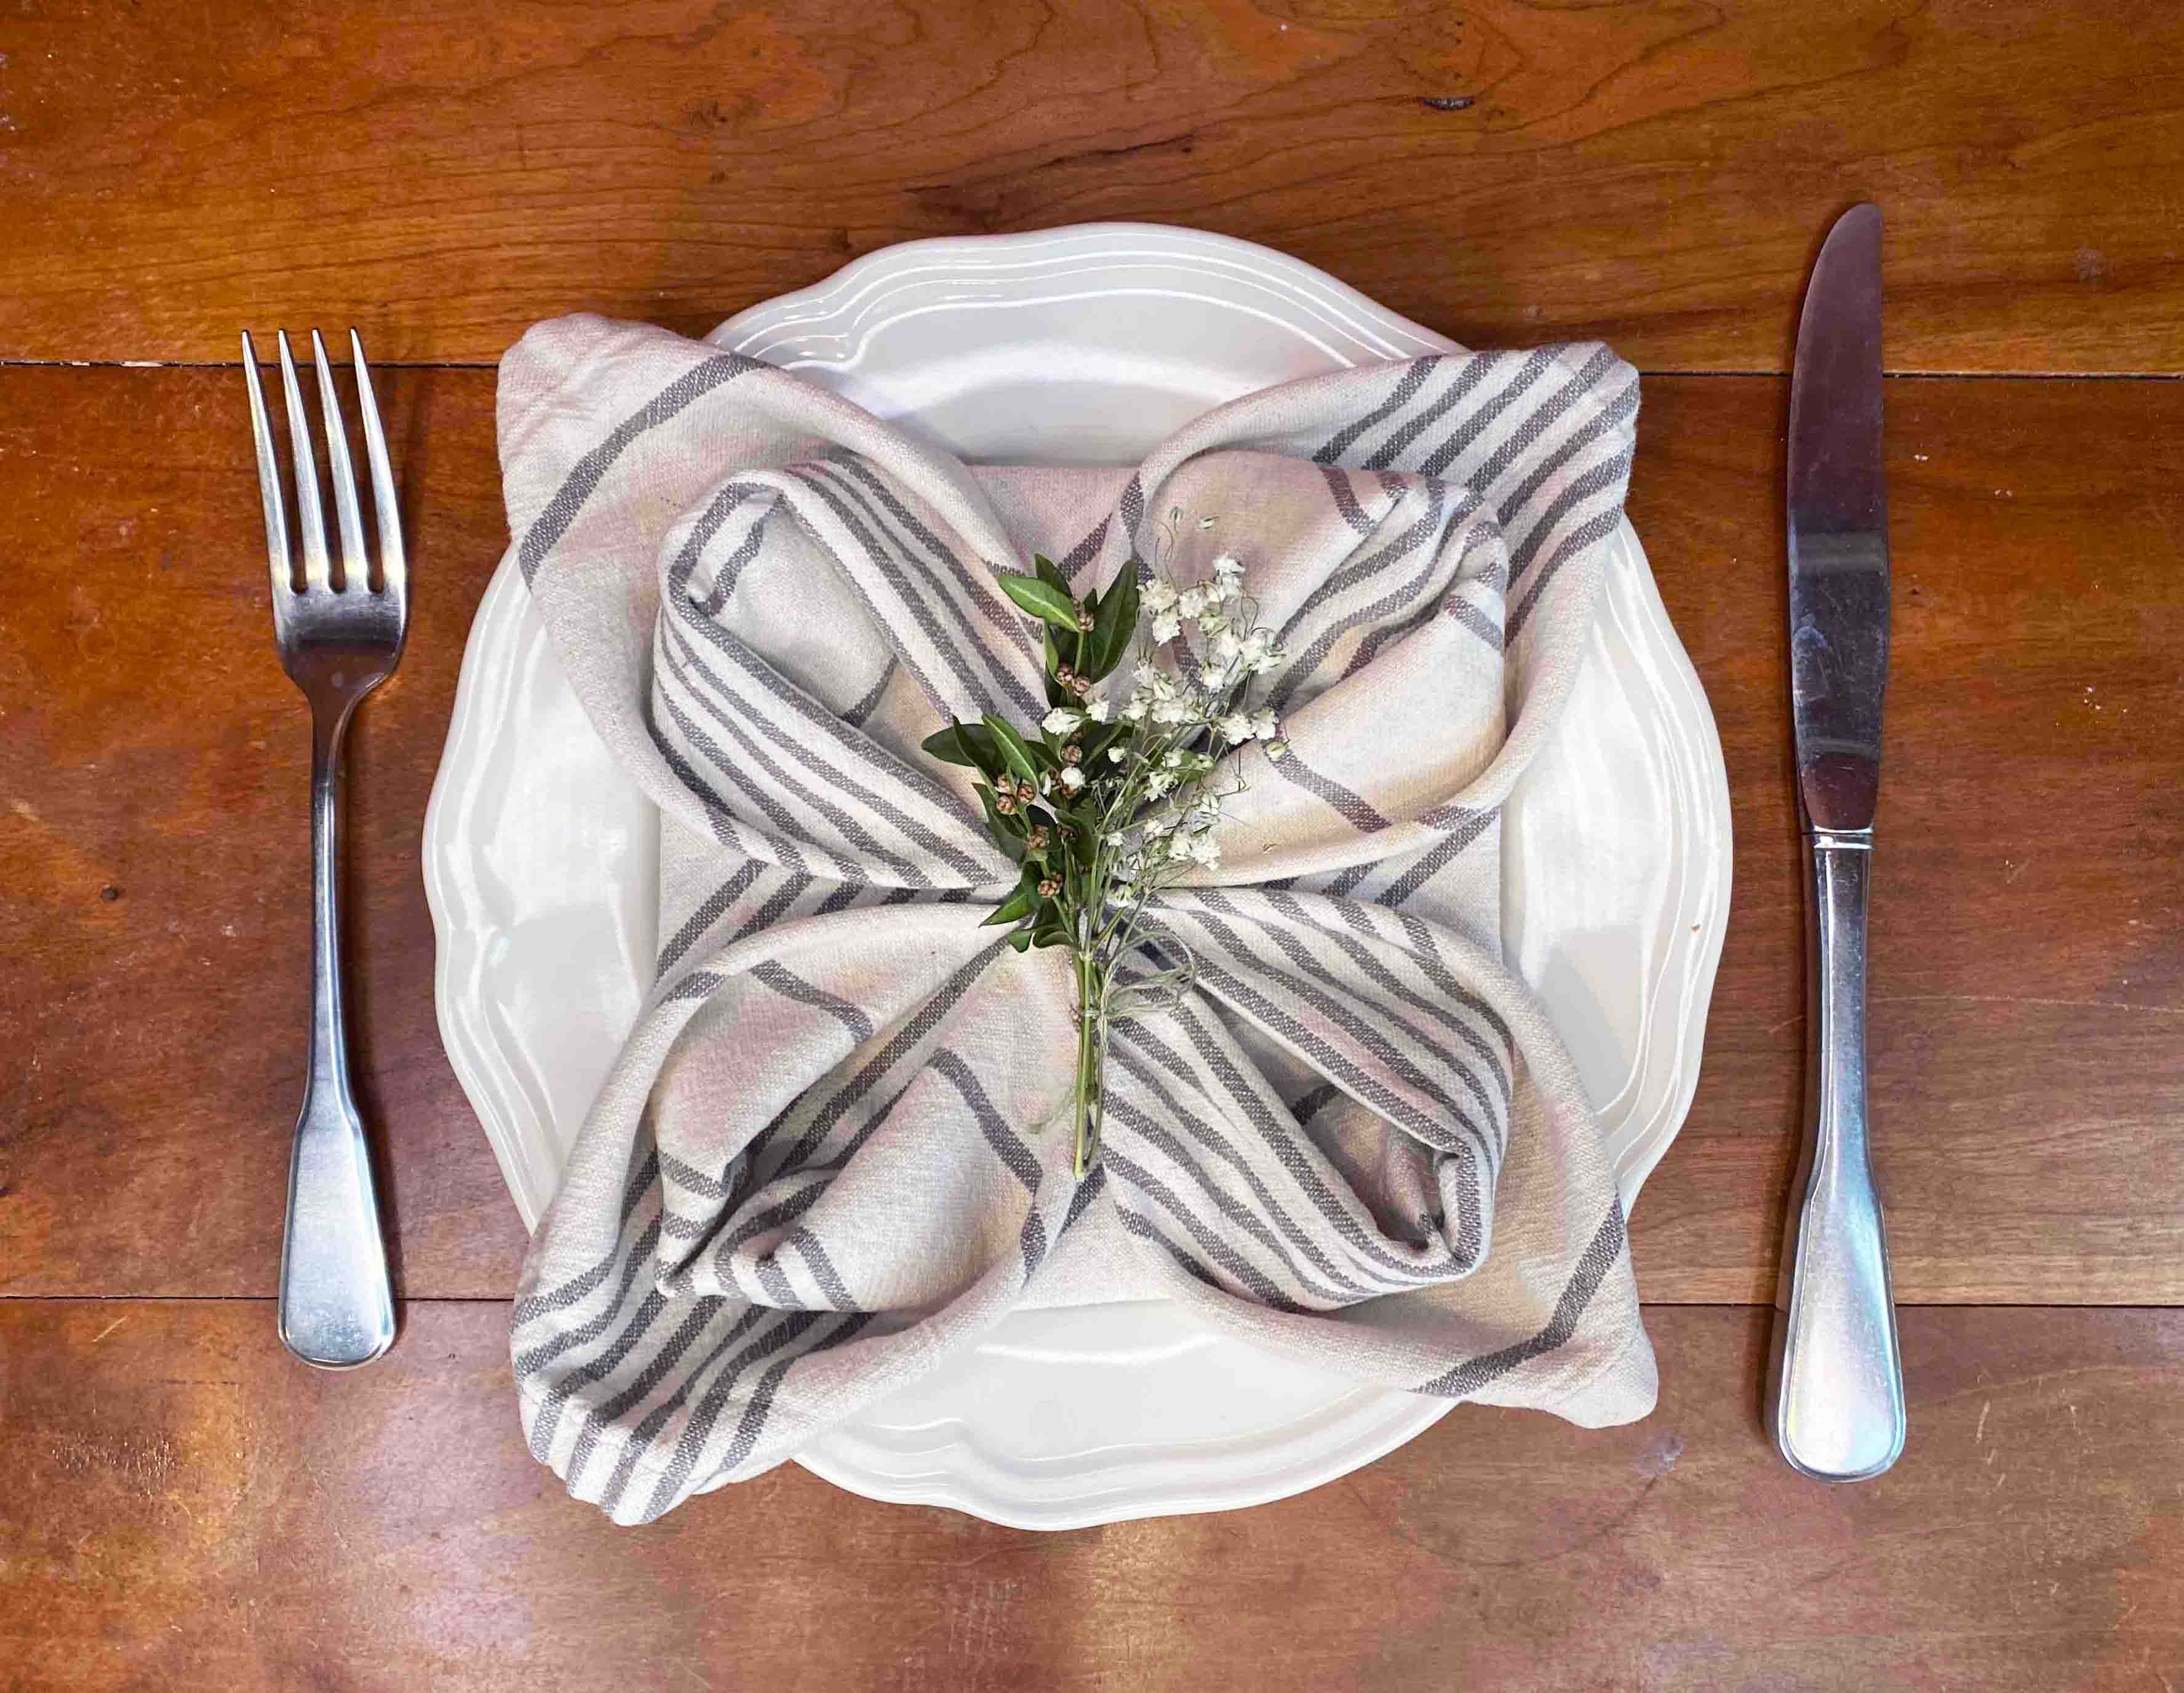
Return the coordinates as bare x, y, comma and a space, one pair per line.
837, 1145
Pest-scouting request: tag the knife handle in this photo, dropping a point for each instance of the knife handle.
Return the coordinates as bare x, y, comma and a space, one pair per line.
1837, 1382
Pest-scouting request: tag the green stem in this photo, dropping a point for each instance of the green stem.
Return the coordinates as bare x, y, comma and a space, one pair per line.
1091, 1021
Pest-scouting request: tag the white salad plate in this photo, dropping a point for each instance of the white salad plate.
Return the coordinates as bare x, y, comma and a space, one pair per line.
541, 861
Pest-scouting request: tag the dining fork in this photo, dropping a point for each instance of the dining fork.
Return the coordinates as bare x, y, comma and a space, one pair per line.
338, 640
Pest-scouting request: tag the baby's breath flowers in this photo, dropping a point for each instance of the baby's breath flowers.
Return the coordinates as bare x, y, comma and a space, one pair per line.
1109, 800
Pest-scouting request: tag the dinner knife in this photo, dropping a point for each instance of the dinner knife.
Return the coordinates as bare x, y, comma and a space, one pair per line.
1837, 1386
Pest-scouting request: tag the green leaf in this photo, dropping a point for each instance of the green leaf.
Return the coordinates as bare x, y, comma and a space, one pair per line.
1013, 751
1020, 940
1097, 740
1008, 834
1050, 932
1089, 608
1056, 694
1049, 572
1043, 599
969, 744
1019, 906
1080, 830
1116, 626
946, 745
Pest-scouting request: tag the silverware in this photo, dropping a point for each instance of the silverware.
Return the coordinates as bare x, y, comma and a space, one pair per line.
1837, 1383
337, 642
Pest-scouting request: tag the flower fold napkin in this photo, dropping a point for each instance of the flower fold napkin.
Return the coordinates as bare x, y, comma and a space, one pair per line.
837, 1147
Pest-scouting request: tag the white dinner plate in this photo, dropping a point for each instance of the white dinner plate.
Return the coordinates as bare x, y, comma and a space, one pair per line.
541, 860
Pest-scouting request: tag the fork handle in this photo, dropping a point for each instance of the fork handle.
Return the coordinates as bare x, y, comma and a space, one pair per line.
337, 1306
1837, 1383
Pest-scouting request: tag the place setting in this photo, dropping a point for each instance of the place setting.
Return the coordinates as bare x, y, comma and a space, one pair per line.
1078, 876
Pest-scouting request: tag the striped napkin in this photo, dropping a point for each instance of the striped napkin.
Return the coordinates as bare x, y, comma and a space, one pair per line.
836, 1148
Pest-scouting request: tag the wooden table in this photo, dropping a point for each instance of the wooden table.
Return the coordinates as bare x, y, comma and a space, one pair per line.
186, 1507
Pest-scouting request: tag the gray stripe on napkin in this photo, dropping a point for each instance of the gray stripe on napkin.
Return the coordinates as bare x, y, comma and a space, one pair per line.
701, 1306
1353, 808
779, 779
1080, 557
1414, 378
1469, 376
1209, 1240
1531, 428
689, 1449
1363, 956
1434, 1131
534, 1359
1303, 1166
822, 1267
918, 1030
1472, 618
856, 715
1346, 501
606, 1419
644, 1178
793, 987
724, 574
999, 1136
1437, 860
1305, 666
561, 511
715, 906
985, 681
1301, 1256
853, 748
1011, 624
1592, 1267
782, 845
1595, 529
936, 570
1423, 1050
833, 756
1370, 567
760, 1405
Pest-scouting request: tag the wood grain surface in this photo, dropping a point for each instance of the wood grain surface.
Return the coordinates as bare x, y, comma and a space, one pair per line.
154, 782
1651, 170
2028, 923
2027, 991
186, 1508
189, 1510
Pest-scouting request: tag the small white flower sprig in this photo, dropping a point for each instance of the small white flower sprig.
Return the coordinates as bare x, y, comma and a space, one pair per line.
1107, 802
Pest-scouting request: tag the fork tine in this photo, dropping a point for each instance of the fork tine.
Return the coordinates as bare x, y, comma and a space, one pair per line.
393, 565
338, 471
269, 478
310, 519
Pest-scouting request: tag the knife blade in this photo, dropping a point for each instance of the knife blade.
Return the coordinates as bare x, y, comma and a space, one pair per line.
1837, 1387
1838, 531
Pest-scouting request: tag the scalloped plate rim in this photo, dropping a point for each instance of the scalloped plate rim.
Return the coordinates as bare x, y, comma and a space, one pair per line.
948, 1468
